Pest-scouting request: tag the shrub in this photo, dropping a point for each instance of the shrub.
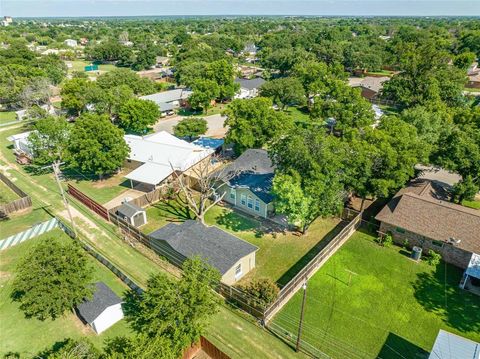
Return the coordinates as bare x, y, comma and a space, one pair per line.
264, 290
433, 258
385, 241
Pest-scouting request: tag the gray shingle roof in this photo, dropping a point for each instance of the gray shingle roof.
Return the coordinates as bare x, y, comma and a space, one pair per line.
191, 238
256, 173
103, 298
128, 210
250, 84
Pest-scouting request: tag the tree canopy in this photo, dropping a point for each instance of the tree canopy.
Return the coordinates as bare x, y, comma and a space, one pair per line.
52, 278
190, 127
138, 115
96, 145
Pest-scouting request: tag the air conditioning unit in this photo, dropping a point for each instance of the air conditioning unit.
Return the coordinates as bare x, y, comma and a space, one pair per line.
127, 199
453, 241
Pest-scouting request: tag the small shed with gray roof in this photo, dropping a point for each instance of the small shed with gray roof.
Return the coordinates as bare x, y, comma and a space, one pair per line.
230, 255
132, 214
103, 310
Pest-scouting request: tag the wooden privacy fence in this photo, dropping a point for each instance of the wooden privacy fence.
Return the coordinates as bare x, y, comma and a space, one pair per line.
17, 205
87, 201
210, 349
314, 265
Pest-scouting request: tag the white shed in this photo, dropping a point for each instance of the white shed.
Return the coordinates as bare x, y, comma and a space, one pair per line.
132, 214
103, 310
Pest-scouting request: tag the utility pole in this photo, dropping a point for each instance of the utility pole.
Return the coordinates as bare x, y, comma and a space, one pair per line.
56, 172
297, 347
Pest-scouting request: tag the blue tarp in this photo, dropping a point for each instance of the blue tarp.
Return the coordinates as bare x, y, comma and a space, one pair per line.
208, 142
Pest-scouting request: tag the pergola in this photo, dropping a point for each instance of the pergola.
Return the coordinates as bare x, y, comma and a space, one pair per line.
472, 271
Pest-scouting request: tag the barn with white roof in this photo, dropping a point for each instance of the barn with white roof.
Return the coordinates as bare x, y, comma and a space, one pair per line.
154, 158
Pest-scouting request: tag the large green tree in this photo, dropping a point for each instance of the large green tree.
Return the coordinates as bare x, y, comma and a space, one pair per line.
52, 278
253, 123
49, 140
96, 145
121, 76
190, 127
287, 91
177, 311
204, 92
138, 115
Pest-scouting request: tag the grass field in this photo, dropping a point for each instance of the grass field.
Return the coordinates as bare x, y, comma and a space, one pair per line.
6, 194
101, 191
6, 117
232, 333
21, 221
29, 336
280, 255
471, 204
79, 65
393, 307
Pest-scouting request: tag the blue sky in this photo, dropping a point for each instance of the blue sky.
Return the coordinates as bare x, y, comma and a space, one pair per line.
44, 8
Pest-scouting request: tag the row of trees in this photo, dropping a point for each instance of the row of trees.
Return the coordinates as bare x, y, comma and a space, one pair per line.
168, 317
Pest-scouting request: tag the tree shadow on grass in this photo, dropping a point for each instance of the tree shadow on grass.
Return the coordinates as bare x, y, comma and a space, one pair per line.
438, 292
237, 223
288, 275
175, 210
396, 347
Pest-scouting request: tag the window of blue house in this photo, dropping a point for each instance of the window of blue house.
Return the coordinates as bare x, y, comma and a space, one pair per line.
400, 230
232, 194
243, 199
250, 202
257, 205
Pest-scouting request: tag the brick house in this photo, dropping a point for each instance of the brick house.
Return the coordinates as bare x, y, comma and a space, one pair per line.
420, 215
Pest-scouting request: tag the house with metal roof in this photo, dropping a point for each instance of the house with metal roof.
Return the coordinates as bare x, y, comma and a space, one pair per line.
249, 189
249, 88
231, 256
169, 100
155, 157
103, 310
421, 215
451, 346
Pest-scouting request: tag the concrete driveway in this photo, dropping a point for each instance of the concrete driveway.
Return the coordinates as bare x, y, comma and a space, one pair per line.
214, 123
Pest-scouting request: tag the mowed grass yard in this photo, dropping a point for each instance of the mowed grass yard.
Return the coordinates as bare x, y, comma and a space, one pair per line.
27, 337
280, 255
103, 190
6, 194
7, 116
393, 307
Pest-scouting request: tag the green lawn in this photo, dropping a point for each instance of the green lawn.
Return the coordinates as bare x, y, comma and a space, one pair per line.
79, 65
472, 204
280, 255
392, 304
7, 116
101, 191
18, 222
29, 336
6, 194
298, 115
227, 329
218, 108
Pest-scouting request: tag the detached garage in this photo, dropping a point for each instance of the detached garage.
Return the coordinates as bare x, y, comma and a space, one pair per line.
103, 310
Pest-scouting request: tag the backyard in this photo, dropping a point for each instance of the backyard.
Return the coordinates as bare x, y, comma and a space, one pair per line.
29, 336
389, 307
280, 255
6, 194
229, 331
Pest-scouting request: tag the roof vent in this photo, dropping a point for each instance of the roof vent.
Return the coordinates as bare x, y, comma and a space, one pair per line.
454, 241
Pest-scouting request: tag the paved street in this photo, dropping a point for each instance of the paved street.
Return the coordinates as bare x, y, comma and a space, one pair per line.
215, 125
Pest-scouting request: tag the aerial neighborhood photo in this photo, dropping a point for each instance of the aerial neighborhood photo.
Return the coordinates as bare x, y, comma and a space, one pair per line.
239, 179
